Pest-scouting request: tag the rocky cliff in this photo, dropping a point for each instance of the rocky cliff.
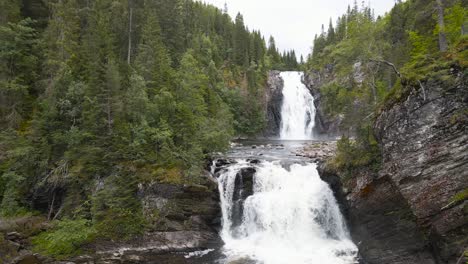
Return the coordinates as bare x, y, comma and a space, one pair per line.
183, 223
415, 208
274, 101
325, 124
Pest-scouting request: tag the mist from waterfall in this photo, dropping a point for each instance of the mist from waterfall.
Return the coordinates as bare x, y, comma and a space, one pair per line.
291, 217
298, 110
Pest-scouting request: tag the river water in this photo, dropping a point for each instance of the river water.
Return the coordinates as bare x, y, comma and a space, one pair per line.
291, 216
275, 207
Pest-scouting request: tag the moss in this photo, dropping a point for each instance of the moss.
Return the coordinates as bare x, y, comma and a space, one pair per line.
151, 173
460, 116
460, 196
428, 68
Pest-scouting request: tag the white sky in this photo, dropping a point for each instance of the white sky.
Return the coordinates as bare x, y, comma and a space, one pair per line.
293, 23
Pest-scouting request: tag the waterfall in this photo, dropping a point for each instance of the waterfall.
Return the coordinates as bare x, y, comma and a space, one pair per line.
298, 110
291, 217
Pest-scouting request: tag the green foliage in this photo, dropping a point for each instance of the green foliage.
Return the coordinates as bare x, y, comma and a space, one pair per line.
460, 196
11, 197
362, 152
286, 61
18, 70
97, 97
65, 239
115, 207
368, 63
454, 18
120, 224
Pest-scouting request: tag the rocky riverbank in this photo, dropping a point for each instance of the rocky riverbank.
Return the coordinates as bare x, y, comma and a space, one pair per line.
318, 151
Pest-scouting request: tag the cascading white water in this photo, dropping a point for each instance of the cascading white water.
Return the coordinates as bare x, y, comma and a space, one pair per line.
292, 217
298, 110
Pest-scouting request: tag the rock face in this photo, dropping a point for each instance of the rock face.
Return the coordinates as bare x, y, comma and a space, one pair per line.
324, 123
274, 102
243, 189
183, 224
425, 152
414, 209
183, 219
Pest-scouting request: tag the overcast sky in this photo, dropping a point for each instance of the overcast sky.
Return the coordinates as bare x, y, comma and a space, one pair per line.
293, 23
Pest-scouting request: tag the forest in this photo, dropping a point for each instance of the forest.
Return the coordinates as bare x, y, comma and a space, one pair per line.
371, 62
99, 97
115, 93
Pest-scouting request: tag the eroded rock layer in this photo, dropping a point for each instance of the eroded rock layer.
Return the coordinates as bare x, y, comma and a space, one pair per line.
414, 209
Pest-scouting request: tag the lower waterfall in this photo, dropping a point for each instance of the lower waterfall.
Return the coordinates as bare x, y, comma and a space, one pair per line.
289, 216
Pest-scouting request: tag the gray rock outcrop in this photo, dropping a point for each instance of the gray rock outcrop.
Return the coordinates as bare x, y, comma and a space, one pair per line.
415, 208
274, 102
325, 124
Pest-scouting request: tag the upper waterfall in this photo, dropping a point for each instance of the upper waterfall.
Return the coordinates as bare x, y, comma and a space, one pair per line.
298, 110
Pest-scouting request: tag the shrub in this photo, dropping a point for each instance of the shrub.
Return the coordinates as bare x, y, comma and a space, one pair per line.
354, 154
65, 239
120, 224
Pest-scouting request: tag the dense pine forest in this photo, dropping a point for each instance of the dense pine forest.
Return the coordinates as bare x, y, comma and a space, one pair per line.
370, 62
114, 93
100, 97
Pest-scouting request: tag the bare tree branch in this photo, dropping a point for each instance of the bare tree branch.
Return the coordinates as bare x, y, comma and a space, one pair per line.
423, 90
389, 64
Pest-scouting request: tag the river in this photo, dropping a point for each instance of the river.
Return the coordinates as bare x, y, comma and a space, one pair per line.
275, 207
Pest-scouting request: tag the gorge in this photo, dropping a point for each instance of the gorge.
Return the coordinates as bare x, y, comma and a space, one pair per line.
169, 132
275, 207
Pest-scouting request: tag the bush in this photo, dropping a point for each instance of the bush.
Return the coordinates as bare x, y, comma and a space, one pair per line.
354, 154
120, 224
66, 238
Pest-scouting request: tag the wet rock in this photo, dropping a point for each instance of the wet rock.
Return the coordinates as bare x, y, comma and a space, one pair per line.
27, 259
242, 190
274, 99
157, 247
223, 162
219, 164
253, 161
14, 236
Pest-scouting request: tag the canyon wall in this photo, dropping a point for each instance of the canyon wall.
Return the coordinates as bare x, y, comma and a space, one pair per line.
414, 209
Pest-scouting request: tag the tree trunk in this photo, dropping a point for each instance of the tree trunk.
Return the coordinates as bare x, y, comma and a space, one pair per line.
440, 20
130, 37
109, 113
